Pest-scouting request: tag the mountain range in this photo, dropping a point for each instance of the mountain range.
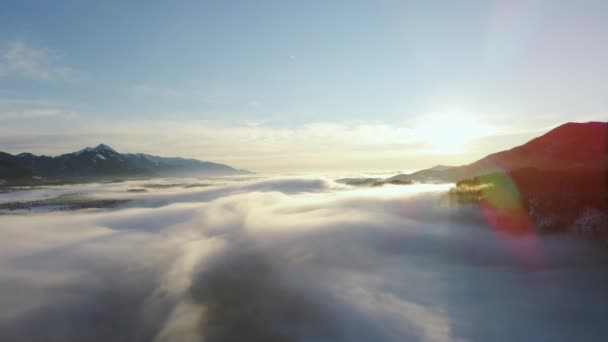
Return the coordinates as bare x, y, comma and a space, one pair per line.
569, 146
103, 161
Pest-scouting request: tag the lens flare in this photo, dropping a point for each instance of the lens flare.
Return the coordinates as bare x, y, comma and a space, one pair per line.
505, 211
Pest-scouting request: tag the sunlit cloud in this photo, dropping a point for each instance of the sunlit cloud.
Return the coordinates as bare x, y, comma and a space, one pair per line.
268, 147
35, 113
450, 132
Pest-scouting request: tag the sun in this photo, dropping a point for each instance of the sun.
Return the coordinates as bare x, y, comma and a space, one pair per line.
450, 132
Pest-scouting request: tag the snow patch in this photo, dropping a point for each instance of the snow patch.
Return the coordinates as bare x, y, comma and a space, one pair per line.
99, 148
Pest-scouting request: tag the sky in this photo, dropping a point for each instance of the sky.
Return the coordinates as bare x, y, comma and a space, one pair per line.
286, 86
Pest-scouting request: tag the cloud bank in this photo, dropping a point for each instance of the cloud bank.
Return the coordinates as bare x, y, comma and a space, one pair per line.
290, 260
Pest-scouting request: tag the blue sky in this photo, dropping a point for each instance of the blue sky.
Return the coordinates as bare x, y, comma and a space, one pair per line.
286, 85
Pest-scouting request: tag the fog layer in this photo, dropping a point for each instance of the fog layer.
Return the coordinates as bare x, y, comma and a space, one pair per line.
289, 260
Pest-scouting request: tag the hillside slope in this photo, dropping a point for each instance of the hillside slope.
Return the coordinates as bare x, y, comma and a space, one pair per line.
571, 145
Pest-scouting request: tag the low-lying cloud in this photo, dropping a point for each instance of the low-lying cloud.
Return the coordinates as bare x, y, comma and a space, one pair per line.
290, 260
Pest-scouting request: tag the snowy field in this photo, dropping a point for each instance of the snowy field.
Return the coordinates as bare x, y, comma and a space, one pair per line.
284, 259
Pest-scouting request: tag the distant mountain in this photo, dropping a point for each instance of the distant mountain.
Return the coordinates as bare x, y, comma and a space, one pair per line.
572, 145
366, 182
103, 161
440, 168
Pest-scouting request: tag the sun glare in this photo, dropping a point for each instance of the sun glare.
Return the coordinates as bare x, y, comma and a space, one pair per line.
449, 133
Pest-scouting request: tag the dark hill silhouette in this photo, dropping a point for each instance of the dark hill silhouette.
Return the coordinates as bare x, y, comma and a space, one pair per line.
571, 145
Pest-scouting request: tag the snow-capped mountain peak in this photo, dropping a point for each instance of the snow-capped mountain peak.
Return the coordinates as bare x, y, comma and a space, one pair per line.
103, 161
104, 147
98, 149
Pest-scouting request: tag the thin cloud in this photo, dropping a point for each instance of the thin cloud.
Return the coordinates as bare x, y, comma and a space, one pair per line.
261, 147
35, 113
19, 59
264, 146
